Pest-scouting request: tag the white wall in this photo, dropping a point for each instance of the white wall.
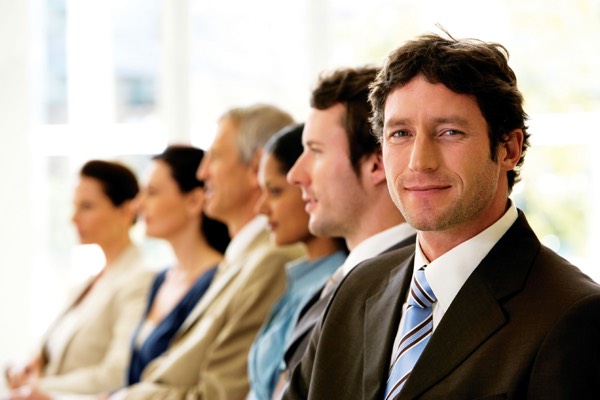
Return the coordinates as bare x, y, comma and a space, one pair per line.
16, 236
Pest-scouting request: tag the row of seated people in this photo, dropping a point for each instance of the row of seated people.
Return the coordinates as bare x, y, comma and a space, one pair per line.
217, 323
284, 310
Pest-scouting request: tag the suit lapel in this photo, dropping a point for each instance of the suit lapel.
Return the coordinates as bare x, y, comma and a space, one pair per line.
85, 300
468, 323
465, 326
310, 318
227, 272
54, 365
382, 316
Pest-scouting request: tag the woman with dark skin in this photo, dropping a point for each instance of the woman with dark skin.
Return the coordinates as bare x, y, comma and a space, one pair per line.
282, 204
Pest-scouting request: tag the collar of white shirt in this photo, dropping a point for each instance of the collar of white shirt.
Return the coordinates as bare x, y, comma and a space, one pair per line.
376, 244
448, 273
244, 237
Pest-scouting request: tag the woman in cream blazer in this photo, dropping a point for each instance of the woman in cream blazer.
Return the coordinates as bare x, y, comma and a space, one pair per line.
86, 350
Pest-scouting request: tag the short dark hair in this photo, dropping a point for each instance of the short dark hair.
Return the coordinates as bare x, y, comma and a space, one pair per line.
286, 146
467, 66
183, 160
350, 87
118, 181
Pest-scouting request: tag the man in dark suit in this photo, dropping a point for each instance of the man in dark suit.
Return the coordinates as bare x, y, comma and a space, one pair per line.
343, 183
495, 314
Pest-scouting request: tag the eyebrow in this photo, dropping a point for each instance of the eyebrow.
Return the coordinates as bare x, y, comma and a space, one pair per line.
455, 119
394, 122
312, 142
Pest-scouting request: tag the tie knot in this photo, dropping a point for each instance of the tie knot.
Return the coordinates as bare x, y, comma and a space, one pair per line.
421, 294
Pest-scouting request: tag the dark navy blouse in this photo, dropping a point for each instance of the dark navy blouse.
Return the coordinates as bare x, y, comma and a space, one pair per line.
158, 340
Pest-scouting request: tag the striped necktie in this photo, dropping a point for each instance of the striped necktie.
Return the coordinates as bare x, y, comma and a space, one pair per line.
332, 283
415, 329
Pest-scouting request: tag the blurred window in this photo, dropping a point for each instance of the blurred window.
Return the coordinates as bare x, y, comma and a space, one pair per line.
121, 79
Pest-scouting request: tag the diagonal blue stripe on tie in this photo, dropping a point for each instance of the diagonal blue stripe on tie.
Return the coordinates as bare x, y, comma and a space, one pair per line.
415, 330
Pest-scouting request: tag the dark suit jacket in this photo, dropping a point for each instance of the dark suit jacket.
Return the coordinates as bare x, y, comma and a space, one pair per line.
526, 324
312, 313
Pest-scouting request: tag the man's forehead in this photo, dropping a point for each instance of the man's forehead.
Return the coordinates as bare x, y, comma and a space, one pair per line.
224, 138
323, 125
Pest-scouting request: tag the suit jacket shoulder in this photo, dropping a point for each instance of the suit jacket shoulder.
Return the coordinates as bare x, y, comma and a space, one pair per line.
369, 293
95, 357
313, 311
522, 326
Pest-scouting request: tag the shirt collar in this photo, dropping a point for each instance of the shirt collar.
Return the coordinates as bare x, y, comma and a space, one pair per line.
244, 237
376, 244
300, 267
297, 268
448, 273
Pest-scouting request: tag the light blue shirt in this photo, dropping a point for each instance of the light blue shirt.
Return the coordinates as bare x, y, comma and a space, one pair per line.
304, 279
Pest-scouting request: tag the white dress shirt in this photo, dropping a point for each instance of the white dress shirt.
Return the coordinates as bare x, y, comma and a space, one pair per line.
238, 244
376, 244
447, 274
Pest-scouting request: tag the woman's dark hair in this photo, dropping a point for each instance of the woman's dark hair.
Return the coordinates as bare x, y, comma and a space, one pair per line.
118, 182
286, 146
183, 161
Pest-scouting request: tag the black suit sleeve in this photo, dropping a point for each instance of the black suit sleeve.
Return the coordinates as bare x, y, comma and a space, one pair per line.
568, 363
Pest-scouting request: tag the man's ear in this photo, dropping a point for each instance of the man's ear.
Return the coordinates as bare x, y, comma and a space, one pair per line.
509, 151
254, 164
373, 168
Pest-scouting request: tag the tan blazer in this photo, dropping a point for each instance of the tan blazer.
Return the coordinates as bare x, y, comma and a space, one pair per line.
94, 356
208, 357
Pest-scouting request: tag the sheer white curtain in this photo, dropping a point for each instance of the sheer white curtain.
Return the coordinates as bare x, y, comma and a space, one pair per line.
17, 225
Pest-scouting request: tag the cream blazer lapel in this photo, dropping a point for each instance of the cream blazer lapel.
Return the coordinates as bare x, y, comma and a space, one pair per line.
95, 299
227, 271
54, 364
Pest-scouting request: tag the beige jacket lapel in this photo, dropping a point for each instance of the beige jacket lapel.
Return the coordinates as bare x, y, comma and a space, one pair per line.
53, 365
130, 260
251, 235
225, 274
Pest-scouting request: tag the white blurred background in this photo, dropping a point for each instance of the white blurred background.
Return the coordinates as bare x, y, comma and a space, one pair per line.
121, 79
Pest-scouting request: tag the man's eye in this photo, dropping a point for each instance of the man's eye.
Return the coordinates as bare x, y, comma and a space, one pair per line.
452, 132
399, 134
